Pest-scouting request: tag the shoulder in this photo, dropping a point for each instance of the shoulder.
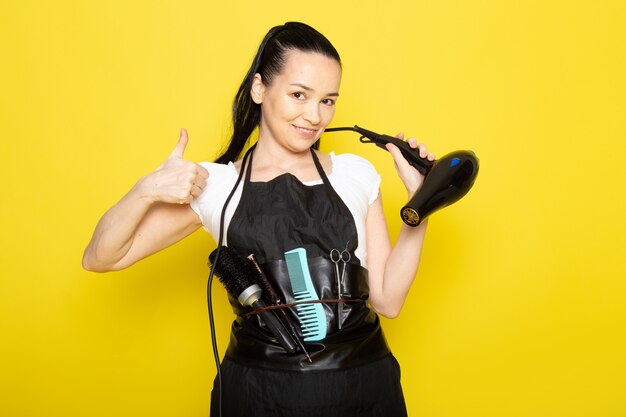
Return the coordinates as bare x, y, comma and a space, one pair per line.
356, 175
222, 171
221, 179
353, 164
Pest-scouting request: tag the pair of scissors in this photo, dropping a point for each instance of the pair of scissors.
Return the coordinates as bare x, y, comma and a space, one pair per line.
337, 256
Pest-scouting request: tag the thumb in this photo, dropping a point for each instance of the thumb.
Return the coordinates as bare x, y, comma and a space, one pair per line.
179, 150
395, 152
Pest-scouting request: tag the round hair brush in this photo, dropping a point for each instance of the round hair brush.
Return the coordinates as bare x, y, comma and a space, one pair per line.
237, 275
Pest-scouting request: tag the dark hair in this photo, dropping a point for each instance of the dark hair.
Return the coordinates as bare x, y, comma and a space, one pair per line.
269, 62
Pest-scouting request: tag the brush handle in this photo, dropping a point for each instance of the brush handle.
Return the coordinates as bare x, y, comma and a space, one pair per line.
275, 326
269, 293
271, 296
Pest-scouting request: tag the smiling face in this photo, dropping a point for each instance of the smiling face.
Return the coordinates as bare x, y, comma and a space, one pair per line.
299, 102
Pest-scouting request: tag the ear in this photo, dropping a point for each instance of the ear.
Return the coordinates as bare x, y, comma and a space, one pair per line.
257, 89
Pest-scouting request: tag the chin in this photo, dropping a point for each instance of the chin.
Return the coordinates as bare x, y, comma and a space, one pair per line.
301, 148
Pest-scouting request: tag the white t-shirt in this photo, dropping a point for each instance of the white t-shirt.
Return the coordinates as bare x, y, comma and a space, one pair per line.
354, 179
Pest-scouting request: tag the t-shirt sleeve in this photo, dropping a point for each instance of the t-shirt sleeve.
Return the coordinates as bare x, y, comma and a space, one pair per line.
209, 203
361, 173
374, 181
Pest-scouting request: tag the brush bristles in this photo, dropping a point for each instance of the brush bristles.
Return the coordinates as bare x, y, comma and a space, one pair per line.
235, 272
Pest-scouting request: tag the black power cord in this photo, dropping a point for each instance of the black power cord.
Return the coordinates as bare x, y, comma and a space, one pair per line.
210, 281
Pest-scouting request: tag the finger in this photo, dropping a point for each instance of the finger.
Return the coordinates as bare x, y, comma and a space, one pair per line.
200, 182
412, 142
195, 191
185, 200
202, 172
431, 156
179, 150
395, 152
400, 135
423, 150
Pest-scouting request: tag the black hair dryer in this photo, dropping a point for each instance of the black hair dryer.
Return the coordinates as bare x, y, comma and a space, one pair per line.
447, 179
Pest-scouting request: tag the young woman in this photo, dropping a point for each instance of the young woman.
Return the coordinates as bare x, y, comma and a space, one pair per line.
291, 196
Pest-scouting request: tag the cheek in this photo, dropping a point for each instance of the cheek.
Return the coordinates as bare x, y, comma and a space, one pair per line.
272, 111
284, 108
328, 113
291, 108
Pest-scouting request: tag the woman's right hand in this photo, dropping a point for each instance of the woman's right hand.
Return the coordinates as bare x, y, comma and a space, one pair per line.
175, 181
152, 216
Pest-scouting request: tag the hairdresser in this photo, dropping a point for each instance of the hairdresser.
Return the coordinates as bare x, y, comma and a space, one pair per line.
290, 195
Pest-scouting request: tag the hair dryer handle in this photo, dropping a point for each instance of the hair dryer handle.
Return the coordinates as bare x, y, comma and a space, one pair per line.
423, 165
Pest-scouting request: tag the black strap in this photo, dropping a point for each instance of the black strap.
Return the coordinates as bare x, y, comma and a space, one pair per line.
248, 168
297, 303
320, 169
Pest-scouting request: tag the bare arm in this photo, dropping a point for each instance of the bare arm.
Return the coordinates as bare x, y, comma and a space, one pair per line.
153, 215
392, 269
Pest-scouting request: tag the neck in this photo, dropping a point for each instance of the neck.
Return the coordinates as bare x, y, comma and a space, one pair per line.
269, 154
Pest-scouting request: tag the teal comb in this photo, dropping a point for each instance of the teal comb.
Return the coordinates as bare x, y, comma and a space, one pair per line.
312, 317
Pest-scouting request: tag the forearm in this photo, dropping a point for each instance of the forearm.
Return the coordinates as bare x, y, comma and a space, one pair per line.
401, 267
392, 269
114, 234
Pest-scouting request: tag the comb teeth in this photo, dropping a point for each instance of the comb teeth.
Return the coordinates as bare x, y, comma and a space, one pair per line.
311, 316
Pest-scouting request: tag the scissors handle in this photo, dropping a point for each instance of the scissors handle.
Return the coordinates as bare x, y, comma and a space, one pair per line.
335, 256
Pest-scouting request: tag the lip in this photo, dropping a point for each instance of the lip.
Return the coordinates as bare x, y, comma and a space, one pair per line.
305, 131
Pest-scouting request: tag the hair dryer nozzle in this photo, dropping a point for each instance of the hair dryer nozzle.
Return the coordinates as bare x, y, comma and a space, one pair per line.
450, 178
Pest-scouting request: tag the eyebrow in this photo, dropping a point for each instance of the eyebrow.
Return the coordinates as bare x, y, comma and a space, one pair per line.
304, 87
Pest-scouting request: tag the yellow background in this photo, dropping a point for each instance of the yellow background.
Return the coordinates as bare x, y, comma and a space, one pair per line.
518, 308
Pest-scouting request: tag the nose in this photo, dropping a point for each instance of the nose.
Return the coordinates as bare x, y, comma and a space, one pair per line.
312, 113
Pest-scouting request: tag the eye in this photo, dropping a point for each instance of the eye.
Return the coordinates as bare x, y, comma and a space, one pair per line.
328, 102
298, 95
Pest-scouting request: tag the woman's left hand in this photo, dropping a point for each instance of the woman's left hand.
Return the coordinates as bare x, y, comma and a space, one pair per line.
410, 176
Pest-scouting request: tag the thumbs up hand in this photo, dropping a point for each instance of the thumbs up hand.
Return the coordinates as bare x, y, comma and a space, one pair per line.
175, 180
